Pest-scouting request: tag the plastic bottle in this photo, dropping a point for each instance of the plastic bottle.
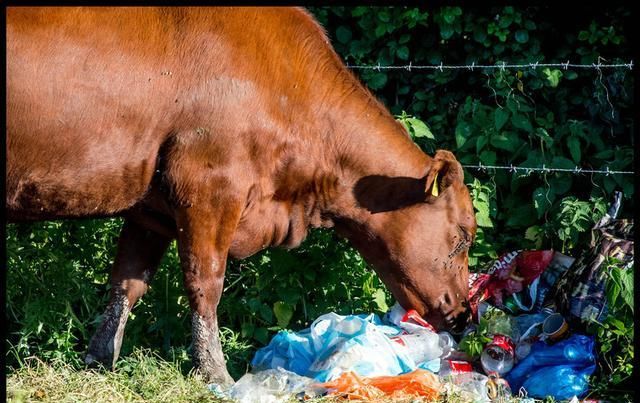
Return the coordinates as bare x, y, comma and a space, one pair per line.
423, 346
453, 367
271, 386
447, 343
471, 383
395, 314
523, 348
498, 356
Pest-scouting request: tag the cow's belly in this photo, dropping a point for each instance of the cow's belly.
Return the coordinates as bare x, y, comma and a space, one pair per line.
48, 180
34, 195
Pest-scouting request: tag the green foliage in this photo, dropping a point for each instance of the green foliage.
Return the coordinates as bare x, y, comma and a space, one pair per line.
473, 344
492, 322
615, 334
547, 117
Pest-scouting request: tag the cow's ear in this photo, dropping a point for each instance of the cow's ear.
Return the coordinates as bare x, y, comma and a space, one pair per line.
444, 170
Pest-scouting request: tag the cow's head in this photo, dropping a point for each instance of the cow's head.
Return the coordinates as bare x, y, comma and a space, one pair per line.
417, 235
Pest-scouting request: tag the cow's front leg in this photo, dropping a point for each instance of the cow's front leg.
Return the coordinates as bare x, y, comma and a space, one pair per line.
139, 254
203, 242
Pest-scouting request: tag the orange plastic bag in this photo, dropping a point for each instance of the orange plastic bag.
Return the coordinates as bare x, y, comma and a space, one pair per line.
416, 383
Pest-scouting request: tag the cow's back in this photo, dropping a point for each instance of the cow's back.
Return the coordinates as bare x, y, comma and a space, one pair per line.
93, 93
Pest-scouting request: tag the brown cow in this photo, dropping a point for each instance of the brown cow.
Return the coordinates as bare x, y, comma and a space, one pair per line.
231, 130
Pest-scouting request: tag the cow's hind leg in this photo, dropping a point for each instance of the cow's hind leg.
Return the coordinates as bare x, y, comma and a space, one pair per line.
139, 254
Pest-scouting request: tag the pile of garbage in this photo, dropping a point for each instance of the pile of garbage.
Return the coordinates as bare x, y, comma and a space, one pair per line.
529, 316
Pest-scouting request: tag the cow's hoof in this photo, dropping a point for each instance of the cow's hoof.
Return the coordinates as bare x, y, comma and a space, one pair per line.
93, 361
221, 378
96, 359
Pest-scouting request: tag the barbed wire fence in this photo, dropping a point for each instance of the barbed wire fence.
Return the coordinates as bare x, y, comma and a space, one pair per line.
504, 66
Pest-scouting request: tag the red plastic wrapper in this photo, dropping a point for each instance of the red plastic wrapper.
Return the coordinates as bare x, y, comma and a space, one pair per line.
478, 291
530, 264
510, 274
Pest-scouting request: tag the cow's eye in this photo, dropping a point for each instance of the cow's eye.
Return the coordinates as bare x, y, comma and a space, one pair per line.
466, 235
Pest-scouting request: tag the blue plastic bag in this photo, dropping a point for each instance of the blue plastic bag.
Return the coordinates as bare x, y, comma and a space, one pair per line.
560, 381
560, 370
334, 344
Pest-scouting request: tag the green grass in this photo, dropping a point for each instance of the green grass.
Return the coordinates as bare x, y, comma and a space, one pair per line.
143, 376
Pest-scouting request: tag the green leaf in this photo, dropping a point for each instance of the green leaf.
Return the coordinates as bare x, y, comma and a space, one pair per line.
570, 75
521, 122
626, 276
562, 162
283, 312
535, 234
482, 216
501, 115
504, 142
561, 183
522, 36
446, 31
380, 299
488, 157
343, 34
481, 141
574, 148
247, 329
381, 29
403, 52
377, 81
463, 131
542, 200
552, 76
420, 129
261, 334
522, 216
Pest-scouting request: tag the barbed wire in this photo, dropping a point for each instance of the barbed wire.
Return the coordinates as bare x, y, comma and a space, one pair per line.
576, 170
503, 66
595, 66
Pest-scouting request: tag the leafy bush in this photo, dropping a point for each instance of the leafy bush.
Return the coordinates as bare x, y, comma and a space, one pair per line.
615, 334
526, 118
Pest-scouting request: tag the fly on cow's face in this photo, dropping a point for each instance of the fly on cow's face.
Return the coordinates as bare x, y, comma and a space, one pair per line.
463, 244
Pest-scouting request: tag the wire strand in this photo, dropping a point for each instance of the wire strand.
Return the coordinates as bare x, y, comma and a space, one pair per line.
502, 66
577, 170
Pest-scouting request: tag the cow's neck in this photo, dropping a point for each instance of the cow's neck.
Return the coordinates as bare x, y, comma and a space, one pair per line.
356, 138
371, 144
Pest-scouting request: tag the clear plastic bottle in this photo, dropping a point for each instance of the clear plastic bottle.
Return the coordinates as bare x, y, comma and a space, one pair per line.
498, 356
423, 346
472, 384
453, 367
523, 348
447, 343
395, 314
